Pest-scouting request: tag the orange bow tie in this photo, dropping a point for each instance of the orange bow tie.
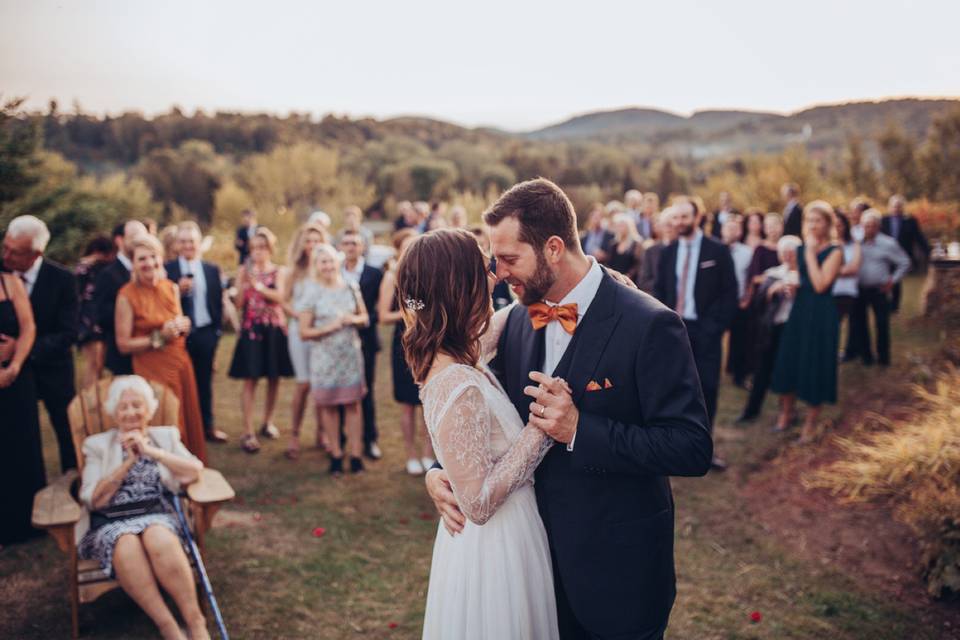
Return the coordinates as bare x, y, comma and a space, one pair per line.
542, 314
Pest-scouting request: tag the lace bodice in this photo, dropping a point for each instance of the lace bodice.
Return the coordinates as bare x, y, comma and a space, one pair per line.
479, 438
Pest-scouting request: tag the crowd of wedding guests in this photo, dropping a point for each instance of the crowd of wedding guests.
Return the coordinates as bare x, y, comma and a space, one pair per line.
778, 284
145, 302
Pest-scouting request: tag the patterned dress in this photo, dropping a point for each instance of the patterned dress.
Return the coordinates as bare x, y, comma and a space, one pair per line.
261, 350
142, 482
336, 359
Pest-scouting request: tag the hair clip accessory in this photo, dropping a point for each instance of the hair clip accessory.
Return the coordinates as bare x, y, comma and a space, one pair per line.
413, 304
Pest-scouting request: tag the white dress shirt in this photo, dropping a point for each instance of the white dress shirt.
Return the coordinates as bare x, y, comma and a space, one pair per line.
693, 246
201, 314
556, 339
742, 255
124, 260
353, 275
29, 276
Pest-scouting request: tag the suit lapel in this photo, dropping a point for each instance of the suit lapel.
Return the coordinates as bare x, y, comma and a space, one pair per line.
592, 336
39, 286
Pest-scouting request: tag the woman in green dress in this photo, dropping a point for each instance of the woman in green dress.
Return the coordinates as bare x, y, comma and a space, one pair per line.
806, 365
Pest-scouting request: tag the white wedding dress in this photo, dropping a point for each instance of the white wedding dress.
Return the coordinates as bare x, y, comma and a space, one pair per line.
494, 580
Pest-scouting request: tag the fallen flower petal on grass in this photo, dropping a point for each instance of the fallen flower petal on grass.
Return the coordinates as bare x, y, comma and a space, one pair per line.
393, 625
257, 517
756, 616
318, 532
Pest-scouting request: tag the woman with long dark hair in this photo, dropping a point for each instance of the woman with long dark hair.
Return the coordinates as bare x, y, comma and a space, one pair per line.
503, 567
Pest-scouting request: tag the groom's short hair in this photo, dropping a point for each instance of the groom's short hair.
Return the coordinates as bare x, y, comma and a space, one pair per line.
541, 208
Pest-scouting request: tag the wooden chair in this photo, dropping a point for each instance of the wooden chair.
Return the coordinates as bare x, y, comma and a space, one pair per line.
56, 509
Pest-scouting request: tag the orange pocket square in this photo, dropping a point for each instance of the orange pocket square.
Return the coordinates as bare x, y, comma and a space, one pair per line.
607, 384
593, 386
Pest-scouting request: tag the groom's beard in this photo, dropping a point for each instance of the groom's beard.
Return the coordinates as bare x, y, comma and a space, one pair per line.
539, 283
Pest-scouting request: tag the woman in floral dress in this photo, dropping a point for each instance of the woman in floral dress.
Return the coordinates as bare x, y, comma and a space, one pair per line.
330, 320
261, 350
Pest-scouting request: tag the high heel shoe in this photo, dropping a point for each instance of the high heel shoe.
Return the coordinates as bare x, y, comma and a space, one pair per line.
356, 465
336, 466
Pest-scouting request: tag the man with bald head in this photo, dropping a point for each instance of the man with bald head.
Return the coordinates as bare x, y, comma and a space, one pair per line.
105, 289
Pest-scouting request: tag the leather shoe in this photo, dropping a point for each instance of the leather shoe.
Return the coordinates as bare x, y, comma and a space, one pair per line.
746, 417
216, 435
718, 464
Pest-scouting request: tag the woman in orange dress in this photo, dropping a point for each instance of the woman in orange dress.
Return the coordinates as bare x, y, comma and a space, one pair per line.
151, 326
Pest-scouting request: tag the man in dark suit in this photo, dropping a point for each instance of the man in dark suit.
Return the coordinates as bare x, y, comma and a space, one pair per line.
56, 307
793, 211
105, 289
201, 297
634, 417
696, 278
905, 230
244, 233
368, 278
596, 240
720, 216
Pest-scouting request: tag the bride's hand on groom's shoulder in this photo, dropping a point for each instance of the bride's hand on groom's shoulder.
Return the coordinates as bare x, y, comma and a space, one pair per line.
621, 278
441, 492
552, 410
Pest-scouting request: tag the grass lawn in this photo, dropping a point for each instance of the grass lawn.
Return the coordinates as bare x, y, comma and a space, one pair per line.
367, 576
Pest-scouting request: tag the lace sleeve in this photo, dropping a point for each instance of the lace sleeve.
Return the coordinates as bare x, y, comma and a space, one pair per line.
481, 483
489, 340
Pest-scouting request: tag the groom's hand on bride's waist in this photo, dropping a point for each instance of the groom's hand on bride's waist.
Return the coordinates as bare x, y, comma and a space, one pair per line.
552, 410
441, 492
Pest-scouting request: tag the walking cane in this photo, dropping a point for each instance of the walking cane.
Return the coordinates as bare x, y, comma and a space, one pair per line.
204, 580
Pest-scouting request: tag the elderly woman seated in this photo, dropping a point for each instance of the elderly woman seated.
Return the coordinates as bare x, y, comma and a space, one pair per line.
134, 532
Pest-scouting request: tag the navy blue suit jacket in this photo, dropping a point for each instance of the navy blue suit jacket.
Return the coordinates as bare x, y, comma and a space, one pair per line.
607, 505
211, 273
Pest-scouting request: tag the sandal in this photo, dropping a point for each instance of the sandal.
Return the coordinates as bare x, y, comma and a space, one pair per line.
292, 453
250, 444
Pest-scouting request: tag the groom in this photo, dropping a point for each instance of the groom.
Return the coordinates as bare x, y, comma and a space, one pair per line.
635, 416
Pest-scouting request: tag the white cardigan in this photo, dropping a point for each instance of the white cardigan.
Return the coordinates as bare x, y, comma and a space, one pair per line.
102, 455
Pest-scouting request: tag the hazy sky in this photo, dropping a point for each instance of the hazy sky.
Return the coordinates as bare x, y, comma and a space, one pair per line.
514, 64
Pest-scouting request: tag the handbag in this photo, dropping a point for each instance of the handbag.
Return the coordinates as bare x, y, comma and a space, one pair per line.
125, 511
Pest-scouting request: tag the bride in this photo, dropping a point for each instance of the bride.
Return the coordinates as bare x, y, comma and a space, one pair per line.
493, 580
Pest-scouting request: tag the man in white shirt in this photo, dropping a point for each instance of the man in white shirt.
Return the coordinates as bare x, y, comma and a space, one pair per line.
368, 278
623, 402
201, 296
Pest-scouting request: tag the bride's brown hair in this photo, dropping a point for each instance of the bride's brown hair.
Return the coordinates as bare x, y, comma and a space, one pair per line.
444, 295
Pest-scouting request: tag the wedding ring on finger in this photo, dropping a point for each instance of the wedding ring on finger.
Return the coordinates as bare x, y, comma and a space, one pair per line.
543, 410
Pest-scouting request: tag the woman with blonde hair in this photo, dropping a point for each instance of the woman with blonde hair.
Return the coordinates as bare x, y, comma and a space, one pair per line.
261, 350
298, 289
806, 365
405, 390
331, 314
150, 326
626, 250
